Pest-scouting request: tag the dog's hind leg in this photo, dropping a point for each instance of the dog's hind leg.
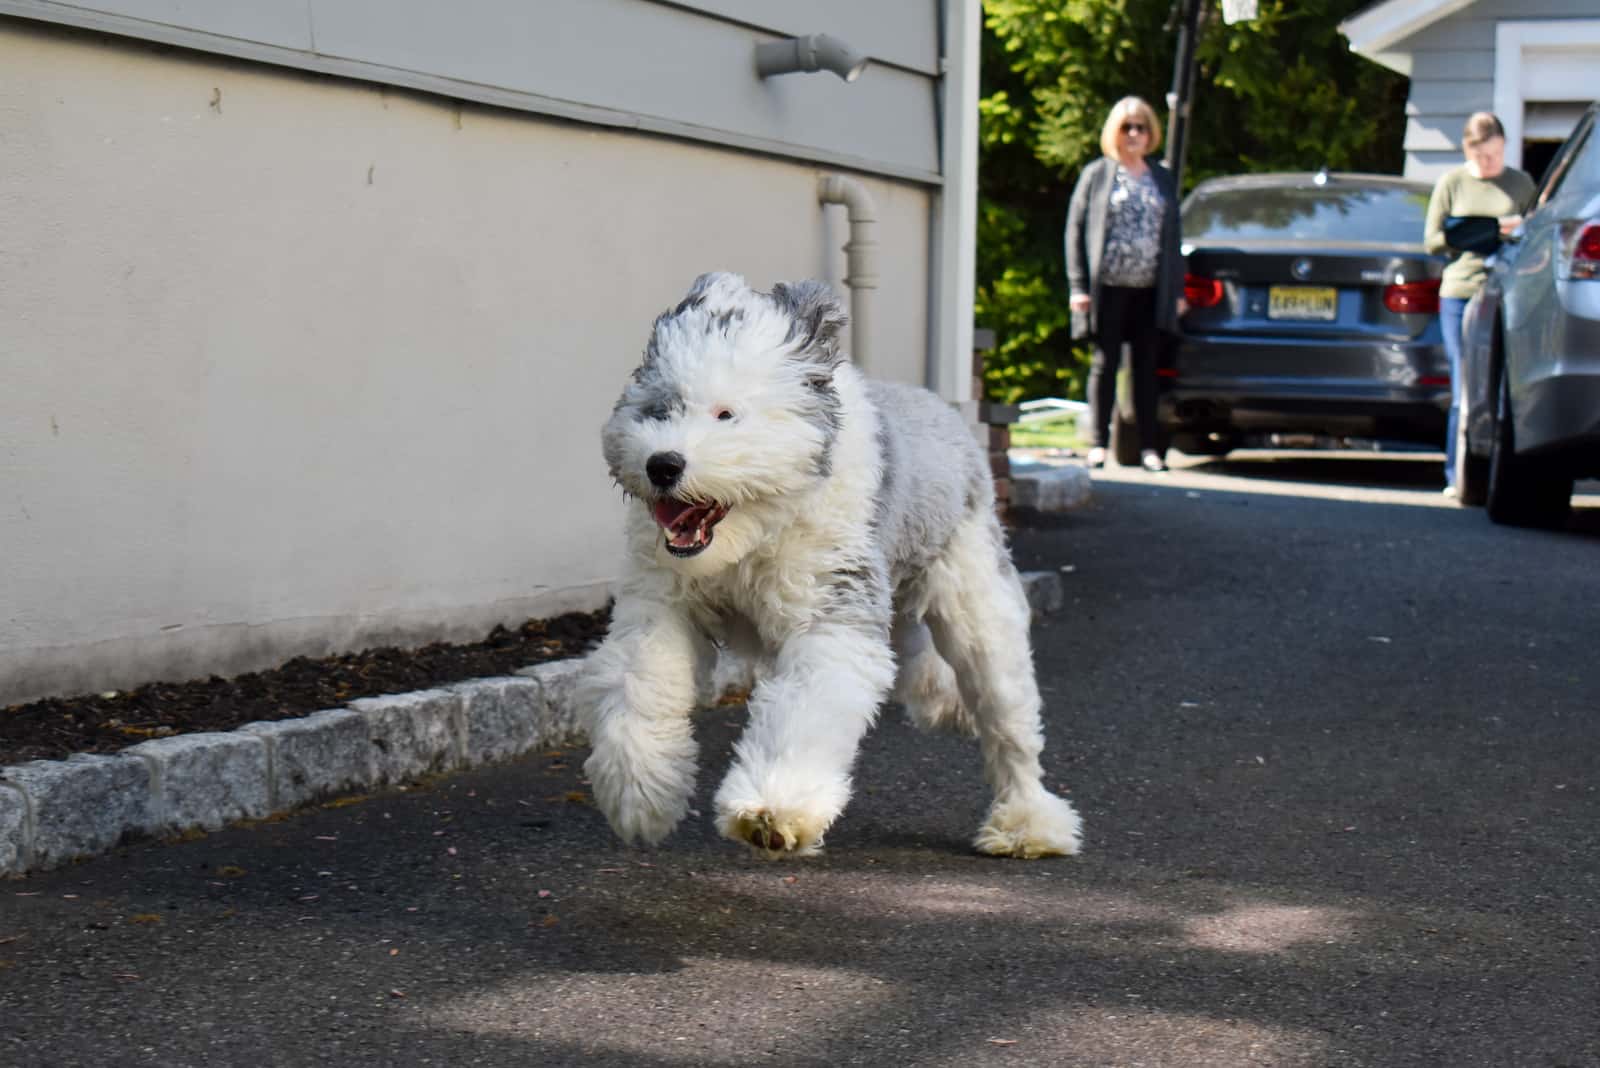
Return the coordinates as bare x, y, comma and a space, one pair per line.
738, 665
979, 616
791, 773
926, 685
636, 692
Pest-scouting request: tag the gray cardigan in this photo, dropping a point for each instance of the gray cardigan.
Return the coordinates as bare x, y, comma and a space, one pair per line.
1086, 240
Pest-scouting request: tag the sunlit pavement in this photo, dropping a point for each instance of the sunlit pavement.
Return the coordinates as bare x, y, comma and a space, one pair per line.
1413, 477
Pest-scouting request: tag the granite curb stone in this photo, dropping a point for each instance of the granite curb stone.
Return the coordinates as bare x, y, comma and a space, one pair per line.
558, 680
81, 806
317, 757
414, 734
1051, 489
206, 780
500, 717
13, 827
56, 811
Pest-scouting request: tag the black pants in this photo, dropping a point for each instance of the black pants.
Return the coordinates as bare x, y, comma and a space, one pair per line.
1126, 315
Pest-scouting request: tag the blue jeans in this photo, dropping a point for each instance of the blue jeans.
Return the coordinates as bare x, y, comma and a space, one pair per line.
1450, 312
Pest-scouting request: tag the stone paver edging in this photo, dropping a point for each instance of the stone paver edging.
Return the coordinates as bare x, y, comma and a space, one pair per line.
1050, 488
56, 811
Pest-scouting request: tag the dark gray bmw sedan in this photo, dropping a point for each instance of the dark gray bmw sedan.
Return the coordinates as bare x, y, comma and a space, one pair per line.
1313, 312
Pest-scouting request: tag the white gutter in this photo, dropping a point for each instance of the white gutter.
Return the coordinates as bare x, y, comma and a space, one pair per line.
955, 209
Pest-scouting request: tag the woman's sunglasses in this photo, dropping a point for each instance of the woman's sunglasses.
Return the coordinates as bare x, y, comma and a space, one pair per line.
1131, 128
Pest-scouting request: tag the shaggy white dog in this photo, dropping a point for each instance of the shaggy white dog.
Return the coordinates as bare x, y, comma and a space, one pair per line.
790, 511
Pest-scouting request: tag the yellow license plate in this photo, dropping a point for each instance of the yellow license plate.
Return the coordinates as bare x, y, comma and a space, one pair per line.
1303, 302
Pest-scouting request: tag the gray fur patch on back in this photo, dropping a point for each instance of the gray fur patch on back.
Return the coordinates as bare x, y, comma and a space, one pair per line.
935, 475
887, 450
859, 596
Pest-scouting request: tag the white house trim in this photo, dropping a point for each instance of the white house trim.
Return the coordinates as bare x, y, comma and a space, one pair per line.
1548, 60
1379, 26
955, 235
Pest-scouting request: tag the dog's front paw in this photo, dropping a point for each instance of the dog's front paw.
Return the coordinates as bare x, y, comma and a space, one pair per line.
1029, 826
775, 834
779, 809
642, 783
636, 813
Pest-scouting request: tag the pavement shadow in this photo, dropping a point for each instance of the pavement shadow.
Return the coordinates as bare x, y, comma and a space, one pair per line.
1183, 936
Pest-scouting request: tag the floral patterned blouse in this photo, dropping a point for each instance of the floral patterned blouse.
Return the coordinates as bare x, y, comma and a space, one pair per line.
1133, 231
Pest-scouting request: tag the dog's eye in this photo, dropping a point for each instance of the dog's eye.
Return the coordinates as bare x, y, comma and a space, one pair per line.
723, 414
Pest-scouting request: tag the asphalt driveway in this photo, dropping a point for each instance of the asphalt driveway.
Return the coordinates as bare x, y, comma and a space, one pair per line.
1335, 746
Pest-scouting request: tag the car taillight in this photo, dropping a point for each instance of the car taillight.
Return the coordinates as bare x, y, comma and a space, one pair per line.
1412, 298
1201, 292
1583, 262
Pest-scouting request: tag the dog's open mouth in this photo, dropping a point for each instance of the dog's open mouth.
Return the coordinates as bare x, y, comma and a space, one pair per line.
687, 524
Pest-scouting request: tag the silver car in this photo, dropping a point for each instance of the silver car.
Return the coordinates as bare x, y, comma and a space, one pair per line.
1530, 356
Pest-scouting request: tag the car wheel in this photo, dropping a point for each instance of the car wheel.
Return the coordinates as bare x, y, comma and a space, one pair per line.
1472, 472
1521, 492
1124, 441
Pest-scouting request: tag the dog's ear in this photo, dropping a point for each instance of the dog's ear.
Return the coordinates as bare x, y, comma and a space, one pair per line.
719, 288
816, 318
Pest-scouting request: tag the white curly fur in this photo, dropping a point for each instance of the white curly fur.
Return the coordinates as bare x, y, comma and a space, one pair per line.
860, 526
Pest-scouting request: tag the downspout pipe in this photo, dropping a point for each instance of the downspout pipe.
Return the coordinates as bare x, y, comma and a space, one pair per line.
861, 255
820, 51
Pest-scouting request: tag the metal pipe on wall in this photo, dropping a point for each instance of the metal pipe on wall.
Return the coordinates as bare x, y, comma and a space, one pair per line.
861, 255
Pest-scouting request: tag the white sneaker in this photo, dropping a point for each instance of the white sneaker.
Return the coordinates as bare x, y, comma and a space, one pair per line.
1096, 457
1151, 461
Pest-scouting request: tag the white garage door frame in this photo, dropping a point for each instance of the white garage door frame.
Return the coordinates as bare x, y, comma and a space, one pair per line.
1551, 60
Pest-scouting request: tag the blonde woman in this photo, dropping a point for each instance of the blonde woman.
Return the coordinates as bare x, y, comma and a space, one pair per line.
1125, 269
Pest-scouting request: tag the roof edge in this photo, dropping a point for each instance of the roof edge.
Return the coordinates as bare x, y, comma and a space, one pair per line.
1372, 31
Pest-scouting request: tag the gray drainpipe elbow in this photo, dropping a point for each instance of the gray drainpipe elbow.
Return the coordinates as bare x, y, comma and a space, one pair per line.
861, 255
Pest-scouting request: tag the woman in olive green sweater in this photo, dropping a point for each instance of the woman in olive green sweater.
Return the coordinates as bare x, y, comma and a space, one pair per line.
1484, 185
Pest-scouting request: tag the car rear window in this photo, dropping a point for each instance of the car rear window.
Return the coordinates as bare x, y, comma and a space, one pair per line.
1306, 212
1578, 160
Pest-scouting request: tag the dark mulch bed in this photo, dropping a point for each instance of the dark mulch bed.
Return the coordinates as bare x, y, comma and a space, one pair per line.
93, 723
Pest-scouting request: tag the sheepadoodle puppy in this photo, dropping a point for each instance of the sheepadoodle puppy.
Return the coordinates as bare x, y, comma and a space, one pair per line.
827, 527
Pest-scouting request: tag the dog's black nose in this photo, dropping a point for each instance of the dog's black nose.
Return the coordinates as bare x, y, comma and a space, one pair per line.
664, 468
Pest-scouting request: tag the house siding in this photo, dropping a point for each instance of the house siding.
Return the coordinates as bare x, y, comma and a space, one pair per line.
1453, 74
296, 364
686, 70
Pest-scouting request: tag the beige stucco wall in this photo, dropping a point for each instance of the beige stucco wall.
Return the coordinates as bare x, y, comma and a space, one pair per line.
294, 365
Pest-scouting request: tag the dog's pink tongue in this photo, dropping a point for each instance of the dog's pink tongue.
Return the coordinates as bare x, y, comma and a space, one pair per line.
684, 523
669, 512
